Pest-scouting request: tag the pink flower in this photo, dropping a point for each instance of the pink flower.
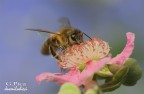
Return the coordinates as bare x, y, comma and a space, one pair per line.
90, 57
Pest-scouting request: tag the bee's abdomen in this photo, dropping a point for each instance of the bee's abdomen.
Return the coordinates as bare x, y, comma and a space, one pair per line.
45, 49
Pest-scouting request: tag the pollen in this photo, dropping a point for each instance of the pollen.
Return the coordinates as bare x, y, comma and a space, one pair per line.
77, 55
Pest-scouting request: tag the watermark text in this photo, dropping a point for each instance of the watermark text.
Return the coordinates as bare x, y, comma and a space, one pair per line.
15, 86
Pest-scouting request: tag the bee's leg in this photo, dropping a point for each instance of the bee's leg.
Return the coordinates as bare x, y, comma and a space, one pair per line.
118, 78
62, 48
54, 54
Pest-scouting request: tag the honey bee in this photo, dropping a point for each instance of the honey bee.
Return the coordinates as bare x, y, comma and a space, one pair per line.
63, 39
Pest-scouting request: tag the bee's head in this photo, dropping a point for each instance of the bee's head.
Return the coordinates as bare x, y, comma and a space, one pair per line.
77, 36
74, 36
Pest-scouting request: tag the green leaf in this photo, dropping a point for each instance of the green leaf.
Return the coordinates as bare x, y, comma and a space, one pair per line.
104, 72
69, 88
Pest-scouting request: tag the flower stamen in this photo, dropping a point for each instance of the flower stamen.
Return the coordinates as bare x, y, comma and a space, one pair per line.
94, 49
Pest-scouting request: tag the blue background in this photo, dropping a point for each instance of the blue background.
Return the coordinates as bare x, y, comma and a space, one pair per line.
20, 58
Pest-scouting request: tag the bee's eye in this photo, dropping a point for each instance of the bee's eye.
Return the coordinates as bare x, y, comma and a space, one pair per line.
73, 36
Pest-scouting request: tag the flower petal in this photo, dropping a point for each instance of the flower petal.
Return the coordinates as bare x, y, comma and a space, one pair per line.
125, 54
71, 76
74, 75
92, 68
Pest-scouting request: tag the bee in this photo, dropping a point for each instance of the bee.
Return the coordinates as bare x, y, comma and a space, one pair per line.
66, 37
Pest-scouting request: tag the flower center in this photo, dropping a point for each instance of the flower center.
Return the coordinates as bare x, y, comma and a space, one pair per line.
78, 55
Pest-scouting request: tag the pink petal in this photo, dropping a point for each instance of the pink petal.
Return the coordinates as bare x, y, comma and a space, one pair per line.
71, 76
122, 57
92, 68
74, 75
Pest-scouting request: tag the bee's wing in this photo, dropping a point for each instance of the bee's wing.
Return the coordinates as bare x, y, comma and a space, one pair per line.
64, 22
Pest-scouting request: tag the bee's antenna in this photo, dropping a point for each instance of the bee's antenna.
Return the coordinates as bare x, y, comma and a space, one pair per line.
40, 30
87, 35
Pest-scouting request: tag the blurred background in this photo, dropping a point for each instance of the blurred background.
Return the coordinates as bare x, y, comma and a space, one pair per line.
20, 57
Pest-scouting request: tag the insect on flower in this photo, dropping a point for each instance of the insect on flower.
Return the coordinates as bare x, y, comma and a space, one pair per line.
83, 61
